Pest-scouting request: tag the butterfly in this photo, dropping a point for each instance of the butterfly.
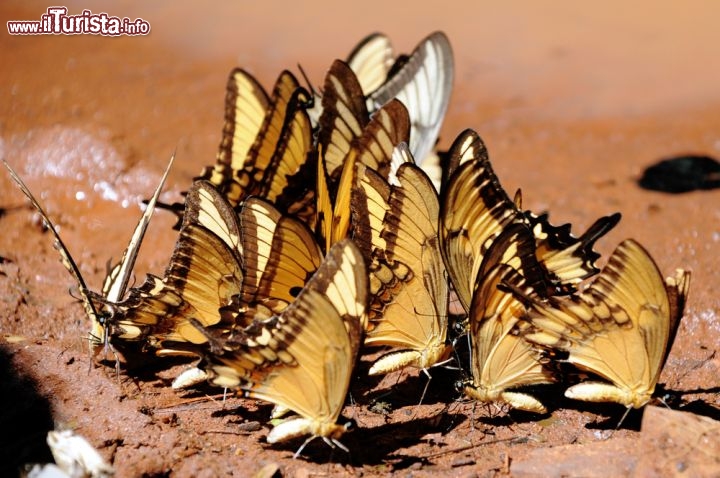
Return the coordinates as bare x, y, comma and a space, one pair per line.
204, 273
396, 227
422, 81
620, 328
226, 269
99, 307
302, 359
475, 208
501, 359
265, 144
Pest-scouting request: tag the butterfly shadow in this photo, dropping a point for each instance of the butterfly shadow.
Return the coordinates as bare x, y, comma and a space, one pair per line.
405, 388
379, 445
25, 419
674, 400
138, 365
612, 416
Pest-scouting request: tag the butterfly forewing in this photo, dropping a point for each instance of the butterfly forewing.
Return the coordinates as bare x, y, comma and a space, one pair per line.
371, 61
117, 280
344, 115
67, 261
246, 104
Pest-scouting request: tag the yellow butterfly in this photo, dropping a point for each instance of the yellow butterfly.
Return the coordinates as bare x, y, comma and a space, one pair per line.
265, 145
620, 328
475, 209
302, 359
225, 271
396, 227
100, 307
501, 358
205, 272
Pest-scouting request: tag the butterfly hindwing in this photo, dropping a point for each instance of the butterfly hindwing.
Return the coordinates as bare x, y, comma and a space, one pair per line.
246, 104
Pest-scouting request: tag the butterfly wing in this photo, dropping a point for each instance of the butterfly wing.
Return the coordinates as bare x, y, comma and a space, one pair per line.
116, 282
246, 105
408, 277
475, 209
371, 61
96, 319
303, 358
423, 84
377, 146
344, 115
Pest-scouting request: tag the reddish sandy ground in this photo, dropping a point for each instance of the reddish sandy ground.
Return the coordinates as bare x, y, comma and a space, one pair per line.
573, 104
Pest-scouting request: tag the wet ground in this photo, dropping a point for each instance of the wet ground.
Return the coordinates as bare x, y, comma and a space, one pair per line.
573, 103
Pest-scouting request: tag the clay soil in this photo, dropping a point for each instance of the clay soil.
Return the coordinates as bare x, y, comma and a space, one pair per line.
573, 103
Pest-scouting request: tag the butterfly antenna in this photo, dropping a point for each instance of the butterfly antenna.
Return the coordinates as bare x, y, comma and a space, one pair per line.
315, 92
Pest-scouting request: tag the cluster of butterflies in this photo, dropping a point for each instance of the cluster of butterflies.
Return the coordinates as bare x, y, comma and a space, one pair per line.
328, 224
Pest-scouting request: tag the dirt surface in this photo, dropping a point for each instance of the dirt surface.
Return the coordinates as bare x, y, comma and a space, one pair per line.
573, 104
